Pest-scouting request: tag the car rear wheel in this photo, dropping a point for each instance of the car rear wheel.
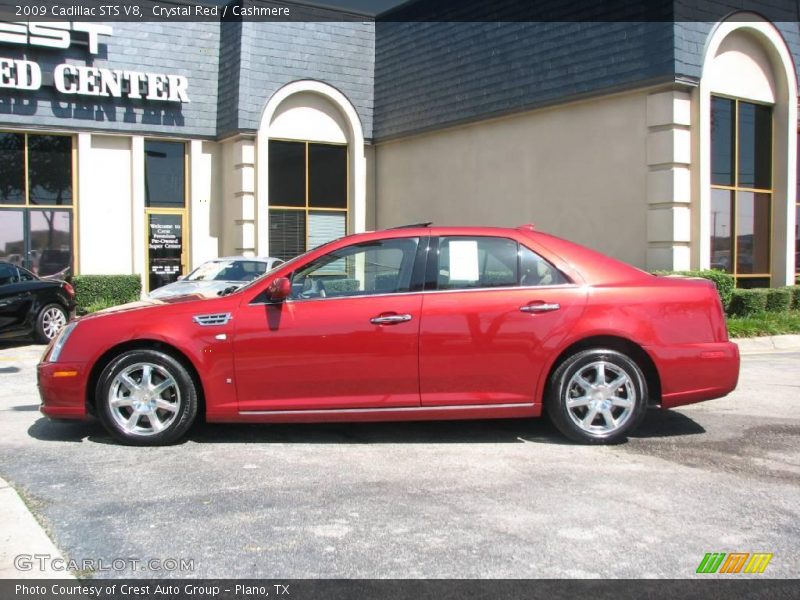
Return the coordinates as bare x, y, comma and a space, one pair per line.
597, 396
50, 320
146, 398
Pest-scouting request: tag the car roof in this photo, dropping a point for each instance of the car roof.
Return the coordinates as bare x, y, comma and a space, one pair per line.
594, 267
251, 258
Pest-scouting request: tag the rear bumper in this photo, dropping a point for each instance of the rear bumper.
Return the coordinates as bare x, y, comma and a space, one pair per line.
696, 372
62, 389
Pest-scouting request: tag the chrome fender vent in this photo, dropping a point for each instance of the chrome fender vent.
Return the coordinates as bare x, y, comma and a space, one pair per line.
212, 320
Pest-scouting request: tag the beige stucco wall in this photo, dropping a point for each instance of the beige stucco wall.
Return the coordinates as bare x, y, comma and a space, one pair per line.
106, 242
579, 171
205, 201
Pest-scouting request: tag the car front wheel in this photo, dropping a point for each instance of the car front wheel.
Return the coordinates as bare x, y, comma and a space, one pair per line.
146, 398
597, 396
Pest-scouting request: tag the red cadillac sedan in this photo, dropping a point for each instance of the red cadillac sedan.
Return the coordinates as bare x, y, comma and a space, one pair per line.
410, 323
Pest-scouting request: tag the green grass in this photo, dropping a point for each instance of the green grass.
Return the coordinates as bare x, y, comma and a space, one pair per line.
764, 324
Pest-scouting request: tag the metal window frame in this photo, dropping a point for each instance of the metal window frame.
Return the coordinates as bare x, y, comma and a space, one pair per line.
307, 208
164, 210
73, 207
736, 189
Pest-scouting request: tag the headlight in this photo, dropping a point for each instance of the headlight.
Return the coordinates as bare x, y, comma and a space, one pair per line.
61, 340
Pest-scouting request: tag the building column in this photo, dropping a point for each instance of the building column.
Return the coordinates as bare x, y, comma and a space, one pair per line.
241, 198
139, 235
669, 181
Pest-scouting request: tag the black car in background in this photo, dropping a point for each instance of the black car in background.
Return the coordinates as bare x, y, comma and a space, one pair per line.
32, 306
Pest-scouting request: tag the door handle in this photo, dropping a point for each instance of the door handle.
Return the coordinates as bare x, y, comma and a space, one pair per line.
390, 319
540, 307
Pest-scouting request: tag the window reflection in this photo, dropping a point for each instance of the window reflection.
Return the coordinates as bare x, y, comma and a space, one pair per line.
327, 176
752, 233
50, 169
12, 242
164, 176
50, 242
12, 168
721, 230
722, 139
755, 146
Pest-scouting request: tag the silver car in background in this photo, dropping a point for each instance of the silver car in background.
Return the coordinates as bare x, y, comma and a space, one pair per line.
218, 275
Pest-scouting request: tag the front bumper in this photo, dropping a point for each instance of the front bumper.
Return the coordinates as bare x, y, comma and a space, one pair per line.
696, 372
62, 389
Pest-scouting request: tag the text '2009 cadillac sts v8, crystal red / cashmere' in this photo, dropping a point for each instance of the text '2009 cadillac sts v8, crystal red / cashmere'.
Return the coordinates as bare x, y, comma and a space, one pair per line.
410, 323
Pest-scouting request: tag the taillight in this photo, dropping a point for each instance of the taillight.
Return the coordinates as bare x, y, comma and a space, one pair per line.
69, 289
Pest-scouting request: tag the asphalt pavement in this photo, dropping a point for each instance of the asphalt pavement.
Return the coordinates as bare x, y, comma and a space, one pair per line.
488, 499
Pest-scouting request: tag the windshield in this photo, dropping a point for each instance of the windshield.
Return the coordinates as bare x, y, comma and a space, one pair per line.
228, 270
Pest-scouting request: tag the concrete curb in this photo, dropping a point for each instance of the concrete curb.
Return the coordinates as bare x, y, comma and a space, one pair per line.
21, 534
770, 343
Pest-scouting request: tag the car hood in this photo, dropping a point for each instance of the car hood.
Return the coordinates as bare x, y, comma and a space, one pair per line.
144, 304
201, 288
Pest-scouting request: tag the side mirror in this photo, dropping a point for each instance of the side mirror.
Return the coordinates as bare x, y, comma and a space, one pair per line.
279, 289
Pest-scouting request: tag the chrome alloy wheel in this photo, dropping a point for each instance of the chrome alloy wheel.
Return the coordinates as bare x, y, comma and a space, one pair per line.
53, 320
600, 398
144, 399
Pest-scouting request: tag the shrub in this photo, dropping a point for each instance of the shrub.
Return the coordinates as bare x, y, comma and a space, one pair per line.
779, 299
795, 290
745, 303
102, 291
724, 282
100, 304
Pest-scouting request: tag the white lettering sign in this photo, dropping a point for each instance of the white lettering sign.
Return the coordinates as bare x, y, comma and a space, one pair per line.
82, 80
52, 35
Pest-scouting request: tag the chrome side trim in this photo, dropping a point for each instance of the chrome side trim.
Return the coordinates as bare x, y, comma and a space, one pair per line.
560, 286
331, 411
212, 319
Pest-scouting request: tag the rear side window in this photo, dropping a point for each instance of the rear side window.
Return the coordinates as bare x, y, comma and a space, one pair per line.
534, 270
488, 262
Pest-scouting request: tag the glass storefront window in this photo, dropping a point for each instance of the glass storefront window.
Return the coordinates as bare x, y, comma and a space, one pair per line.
307, 196
165, 248
36, 171
287, 233
722, 140
12, 236
287, 173
327, 176
752, 232
50, 169
755, 146
721, 230
12, 173
741, 190
164, 174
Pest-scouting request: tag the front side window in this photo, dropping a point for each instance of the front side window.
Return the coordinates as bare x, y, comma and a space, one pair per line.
307, 196
380, 267
741, 190
487, 262
37, 196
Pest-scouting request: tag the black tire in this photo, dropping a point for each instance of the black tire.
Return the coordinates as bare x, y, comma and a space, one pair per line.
46, 321
144, 401
577, 421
